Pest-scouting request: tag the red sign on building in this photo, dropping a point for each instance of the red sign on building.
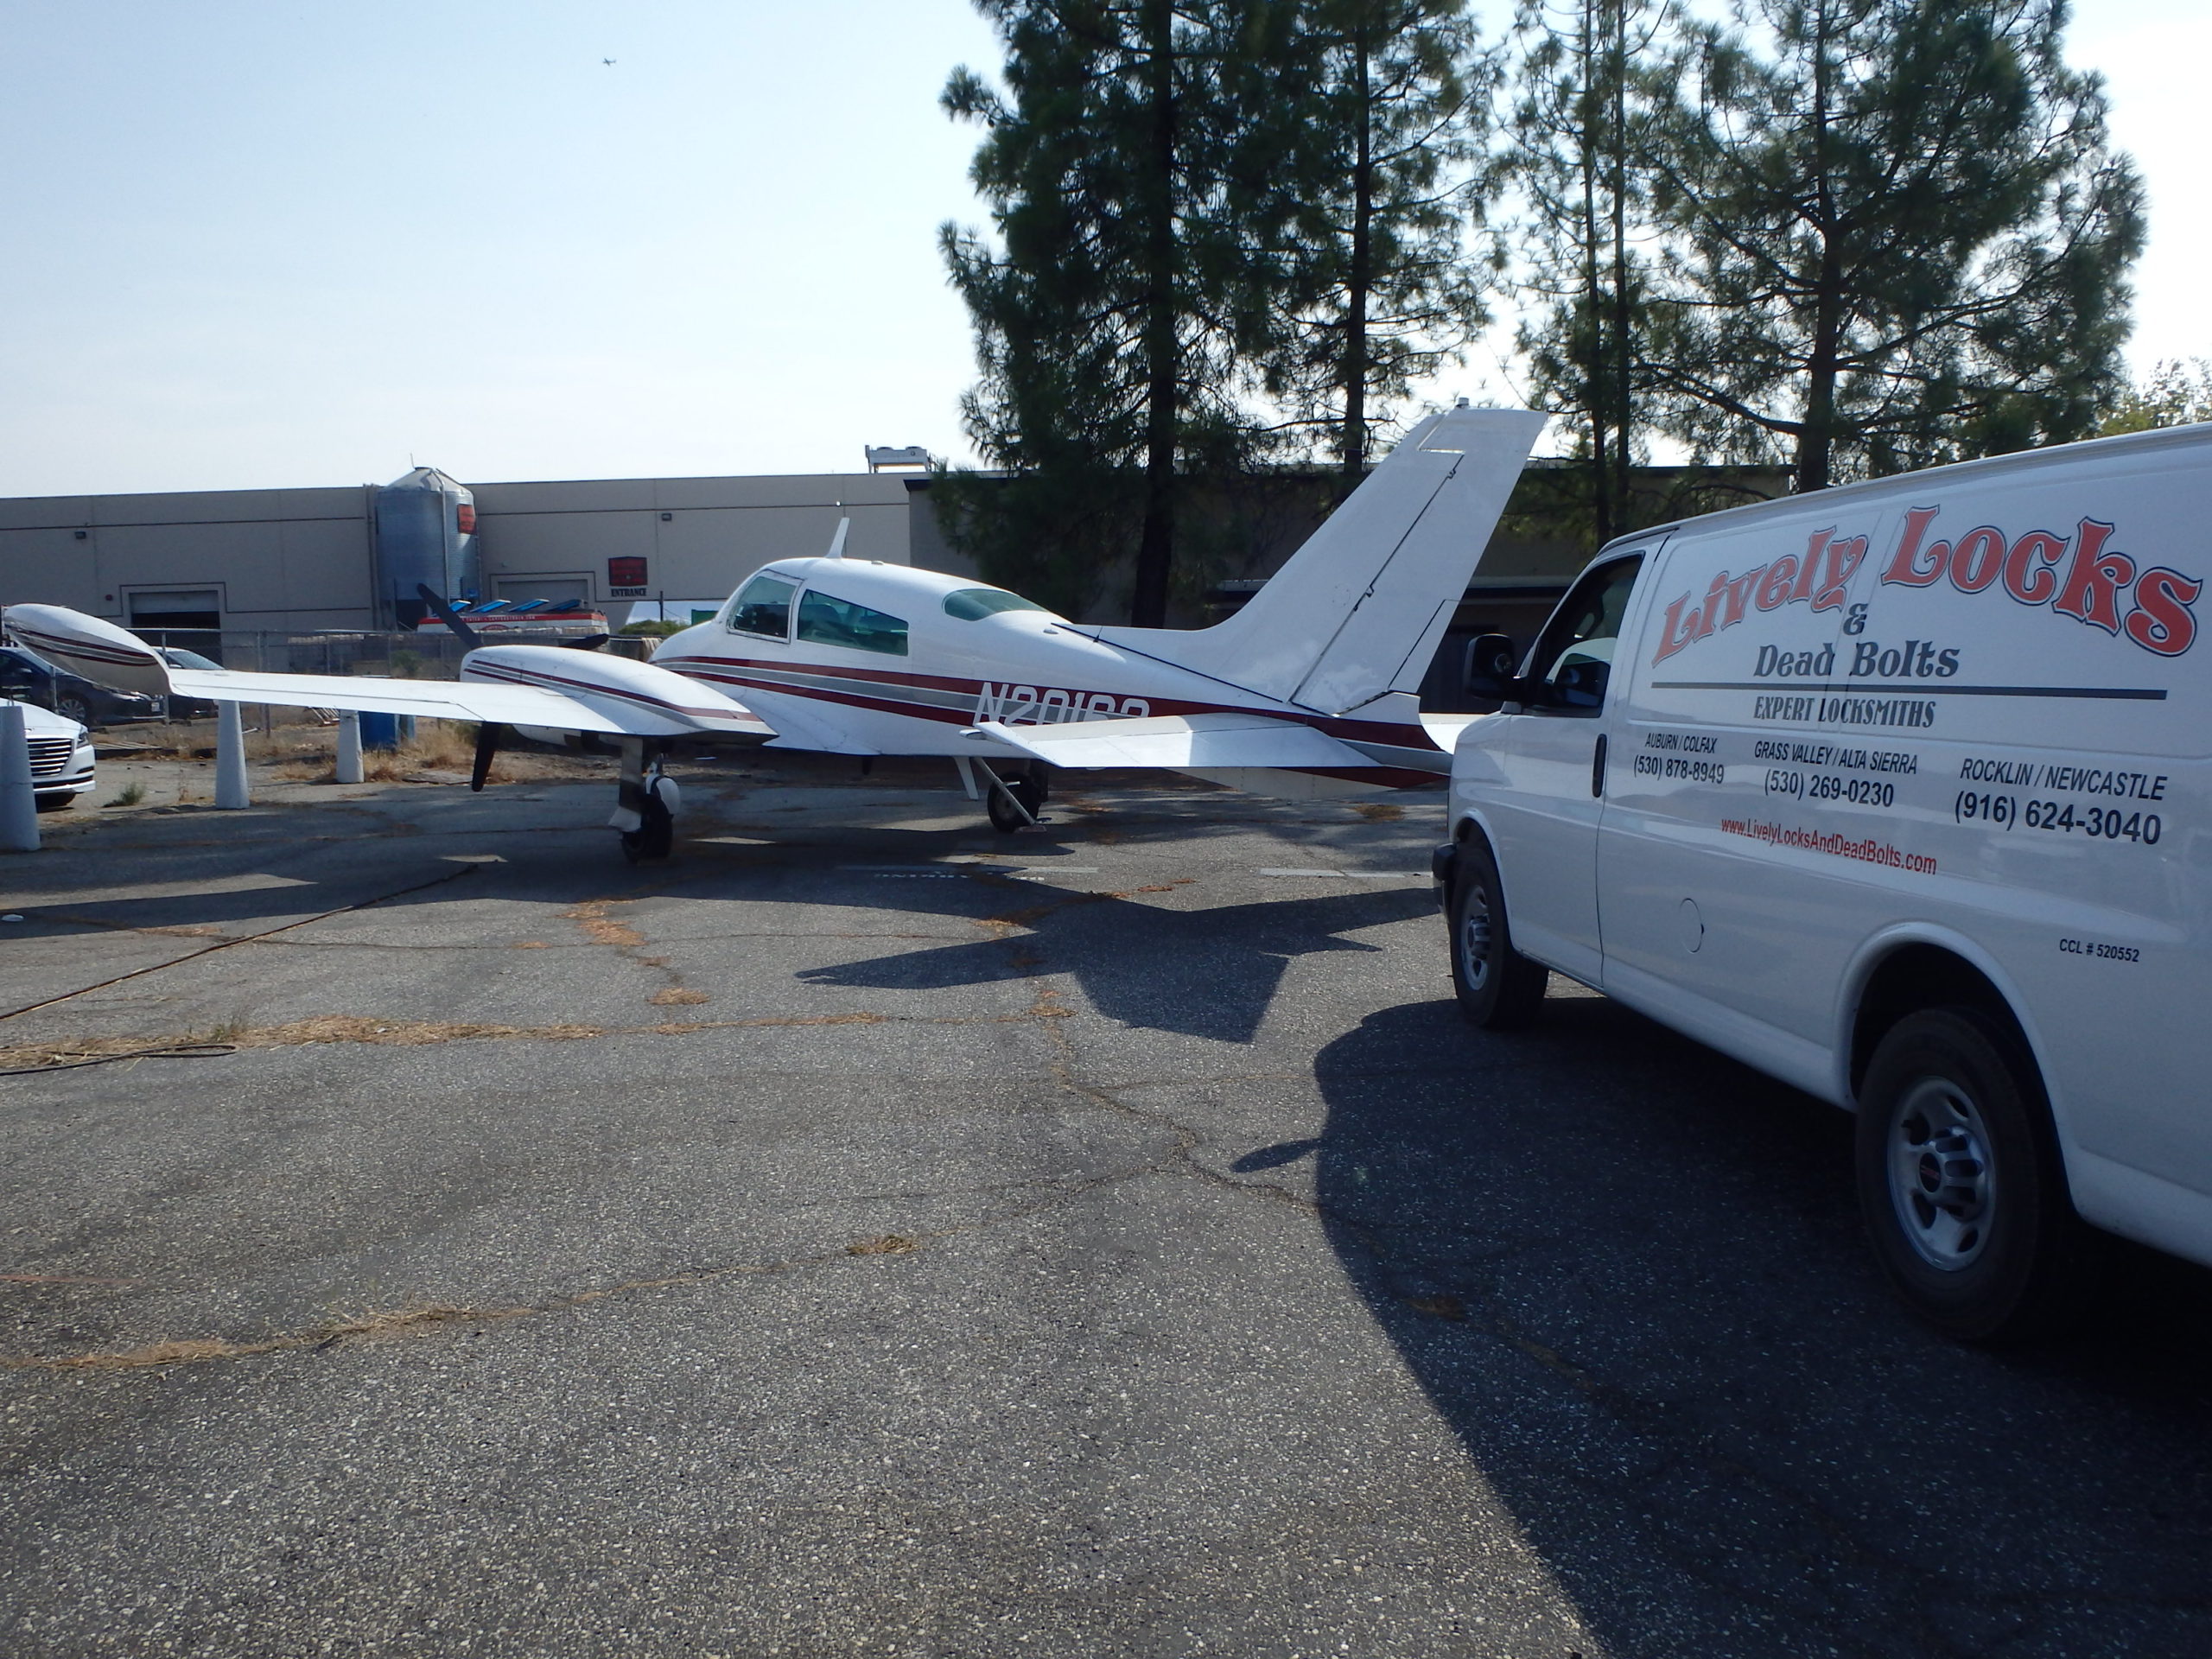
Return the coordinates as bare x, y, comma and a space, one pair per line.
625, 573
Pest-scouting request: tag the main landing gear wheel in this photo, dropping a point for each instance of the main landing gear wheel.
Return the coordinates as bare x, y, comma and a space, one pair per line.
1961, 1185
1499, 988
1029, 790
655, 836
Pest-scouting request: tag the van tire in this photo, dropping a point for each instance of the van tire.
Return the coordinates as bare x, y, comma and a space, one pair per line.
1499, 988
1952, 1109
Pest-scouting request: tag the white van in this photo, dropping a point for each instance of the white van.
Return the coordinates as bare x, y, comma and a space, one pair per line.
1900, 792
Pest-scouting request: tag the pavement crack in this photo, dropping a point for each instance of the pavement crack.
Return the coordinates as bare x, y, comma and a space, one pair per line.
437, 881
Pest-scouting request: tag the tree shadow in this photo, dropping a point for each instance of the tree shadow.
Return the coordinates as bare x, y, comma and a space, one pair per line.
1628, 1272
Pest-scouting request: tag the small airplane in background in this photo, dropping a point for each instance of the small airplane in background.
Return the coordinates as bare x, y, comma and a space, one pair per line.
1307, 691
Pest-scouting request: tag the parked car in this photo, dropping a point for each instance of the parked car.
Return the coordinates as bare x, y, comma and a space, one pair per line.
30, 678
188, 707
61, 758
1899, 792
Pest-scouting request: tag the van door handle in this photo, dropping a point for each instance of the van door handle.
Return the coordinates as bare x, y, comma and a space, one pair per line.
1598, 767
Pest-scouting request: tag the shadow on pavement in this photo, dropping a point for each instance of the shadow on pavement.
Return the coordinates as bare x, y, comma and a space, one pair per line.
1628, 1273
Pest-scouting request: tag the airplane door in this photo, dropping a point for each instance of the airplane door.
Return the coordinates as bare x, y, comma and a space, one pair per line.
1545, 787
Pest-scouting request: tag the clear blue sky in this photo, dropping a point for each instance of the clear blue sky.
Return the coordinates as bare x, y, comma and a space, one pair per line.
258, 244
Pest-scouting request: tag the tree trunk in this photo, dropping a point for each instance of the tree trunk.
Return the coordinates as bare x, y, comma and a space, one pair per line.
1816, 435
1622, 386
1362, 279
1596, 392
1155, 550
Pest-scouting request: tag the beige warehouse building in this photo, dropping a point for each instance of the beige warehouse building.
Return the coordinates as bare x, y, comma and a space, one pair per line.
308, 559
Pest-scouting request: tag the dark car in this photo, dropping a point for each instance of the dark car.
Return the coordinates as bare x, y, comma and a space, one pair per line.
182, 708
30, 678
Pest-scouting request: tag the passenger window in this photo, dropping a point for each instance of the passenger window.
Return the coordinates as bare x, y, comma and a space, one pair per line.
763, 605
1573, 659
826, 621
973, 604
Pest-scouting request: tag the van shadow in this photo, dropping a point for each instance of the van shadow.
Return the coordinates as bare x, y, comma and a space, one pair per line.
1628, 1273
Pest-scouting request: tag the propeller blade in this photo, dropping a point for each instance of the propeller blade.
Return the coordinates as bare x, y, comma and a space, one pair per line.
444, 613
590, 642
487, 750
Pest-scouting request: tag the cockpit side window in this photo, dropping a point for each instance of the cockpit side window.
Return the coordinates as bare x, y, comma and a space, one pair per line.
826, 621
763, 605
973, 604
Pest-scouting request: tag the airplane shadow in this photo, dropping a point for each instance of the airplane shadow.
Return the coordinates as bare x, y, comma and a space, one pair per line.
1628, 1273
1209, 973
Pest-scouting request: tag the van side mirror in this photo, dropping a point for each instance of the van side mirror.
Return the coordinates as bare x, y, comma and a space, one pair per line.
1487, 672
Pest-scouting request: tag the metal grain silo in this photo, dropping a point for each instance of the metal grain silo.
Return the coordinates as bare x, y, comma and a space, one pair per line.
426, 535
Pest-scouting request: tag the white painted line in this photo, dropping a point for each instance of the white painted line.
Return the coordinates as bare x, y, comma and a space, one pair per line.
1358, 875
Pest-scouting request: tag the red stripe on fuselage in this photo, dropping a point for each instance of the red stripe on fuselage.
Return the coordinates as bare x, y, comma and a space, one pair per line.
1406, 734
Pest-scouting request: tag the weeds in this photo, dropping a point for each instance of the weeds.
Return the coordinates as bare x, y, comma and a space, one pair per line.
128, 795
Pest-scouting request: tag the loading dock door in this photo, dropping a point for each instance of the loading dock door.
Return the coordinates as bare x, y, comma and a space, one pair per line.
191, 618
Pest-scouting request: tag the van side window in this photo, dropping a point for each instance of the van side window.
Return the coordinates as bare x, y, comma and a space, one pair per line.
763, 605
827, 622
1574, 659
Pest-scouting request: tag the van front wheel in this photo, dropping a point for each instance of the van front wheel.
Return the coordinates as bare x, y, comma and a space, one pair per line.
1499, 987
1960, 1182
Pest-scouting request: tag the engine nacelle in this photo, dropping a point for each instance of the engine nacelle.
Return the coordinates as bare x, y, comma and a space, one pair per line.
650, 701
102, 652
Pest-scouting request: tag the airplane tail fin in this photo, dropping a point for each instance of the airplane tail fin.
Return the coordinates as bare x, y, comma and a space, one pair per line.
1357, 612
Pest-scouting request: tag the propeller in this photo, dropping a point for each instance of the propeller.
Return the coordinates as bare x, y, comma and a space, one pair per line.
444, 613
488, 737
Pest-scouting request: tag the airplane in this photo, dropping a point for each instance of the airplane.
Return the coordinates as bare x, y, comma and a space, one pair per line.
1307, 692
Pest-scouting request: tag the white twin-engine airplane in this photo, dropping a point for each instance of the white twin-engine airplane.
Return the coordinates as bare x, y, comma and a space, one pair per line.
1307, 691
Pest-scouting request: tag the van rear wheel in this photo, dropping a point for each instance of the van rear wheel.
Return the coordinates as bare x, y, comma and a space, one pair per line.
1499, 987
1960, 1182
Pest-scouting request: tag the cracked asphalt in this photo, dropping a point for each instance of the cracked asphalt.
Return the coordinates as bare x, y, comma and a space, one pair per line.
865, 1234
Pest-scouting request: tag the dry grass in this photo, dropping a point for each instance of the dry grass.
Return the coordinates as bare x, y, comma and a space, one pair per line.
600, 928
405, 1033
1379, 812
676, 994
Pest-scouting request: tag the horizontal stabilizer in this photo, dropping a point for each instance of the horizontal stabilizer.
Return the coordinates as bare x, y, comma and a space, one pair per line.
1179, 741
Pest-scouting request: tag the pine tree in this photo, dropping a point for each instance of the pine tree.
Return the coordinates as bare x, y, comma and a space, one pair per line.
1580, 133
1906, 239
1351, 184
1101, 313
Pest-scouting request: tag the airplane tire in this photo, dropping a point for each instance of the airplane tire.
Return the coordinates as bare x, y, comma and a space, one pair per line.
1029, 790
654, 837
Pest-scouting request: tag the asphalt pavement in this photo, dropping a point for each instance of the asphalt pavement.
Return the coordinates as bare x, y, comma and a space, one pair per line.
866, 1233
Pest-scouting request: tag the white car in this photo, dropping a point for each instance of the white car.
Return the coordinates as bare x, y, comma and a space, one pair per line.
61, 758
1900, 792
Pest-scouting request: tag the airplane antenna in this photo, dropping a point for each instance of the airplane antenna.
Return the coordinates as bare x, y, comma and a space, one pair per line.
837, 541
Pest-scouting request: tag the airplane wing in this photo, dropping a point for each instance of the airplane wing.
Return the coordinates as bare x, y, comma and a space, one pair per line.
508, 705
545, 687
1182, 742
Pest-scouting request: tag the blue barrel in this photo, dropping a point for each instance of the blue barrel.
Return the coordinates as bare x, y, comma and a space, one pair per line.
385, 731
